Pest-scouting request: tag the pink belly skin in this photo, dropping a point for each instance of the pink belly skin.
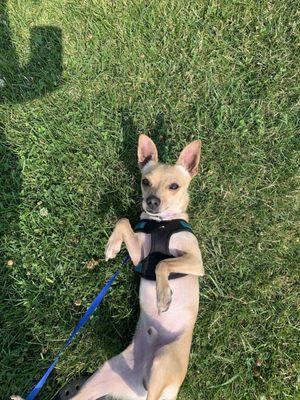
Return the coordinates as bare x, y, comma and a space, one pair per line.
183, 309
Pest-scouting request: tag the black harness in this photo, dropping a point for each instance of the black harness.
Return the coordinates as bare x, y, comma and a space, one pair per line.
161, 232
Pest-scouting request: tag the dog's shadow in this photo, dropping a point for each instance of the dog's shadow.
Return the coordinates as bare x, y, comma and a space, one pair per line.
128, 156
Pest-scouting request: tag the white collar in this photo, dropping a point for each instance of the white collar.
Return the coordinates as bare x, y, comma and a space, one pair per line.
164, 216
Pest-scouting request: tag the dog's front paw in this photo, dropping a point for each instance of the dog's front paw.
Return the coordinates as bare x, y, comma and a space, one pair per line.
14, 397
164, 298
113, 247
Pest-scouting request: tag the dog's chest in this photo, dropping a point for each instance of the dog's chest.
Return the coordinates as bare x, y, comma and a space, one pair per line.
174, 244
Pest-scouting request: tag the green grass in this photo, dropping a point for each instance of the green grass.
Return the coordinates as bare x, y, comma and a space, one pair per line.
79, 81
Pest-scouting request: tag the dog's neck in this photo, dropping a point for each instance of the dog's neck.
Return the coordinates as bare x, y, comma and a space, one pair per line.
165, 216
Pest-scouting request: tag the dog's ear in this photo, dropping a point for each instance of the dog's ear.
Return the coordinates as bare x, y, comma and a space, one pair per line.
190, 157
146, 151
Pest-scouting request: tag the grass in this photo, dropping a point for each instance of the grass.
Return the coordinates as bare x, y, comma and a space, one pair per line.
79, 81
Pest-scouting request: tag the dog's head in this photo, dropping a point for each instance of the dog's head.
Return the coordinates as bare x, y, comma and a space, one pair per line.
165, 187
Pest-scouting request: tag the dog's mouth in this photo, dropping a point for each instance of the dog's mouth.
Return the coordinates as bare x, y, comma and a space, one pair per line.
152, 213
149, 211
157, 213
161, 214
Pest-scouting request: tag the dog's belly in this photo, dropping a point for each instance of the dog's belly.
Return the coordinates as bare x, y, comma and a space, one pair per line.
181, 315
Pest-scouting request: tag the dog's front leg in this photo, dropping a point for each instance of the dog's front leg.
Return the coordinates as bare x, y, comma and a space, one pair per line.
124, 233
163, 290
190, 264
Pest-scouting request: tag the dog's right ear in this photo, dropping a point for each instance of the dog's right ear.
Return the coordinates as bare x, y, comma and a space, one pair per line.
146, 151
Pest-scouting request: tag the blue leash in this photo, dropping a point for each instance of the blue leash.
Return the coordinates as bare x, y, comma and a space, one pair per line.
83, 320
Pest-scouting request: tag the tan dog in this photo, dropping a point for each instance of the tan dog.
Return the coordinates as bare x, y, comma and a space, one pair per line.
154, 365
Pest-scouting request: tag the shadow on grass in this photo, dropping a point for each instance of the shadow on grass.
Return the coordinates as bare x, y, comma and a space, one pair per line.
41, 75
129, 152
128, 157
112, 342
19, 84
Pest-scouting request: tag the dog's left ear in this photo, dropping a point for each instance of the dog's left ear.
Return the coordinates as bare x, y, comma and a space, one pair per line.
190, 157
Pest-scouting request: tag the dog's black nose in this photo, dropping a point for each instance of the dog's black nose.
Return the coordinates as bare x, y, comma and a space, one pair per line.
153, 202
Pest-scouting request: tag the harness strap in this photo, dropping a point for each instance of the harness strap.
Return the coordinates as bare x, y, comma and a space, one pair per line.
160, 232
160, 239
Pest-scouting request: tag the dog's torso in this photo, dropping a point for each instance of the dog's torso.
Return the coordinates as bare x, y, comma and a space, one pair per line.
185, 297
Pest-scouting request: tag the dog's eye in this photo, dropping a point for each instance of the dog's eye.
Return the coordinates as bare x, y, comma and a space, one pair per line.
174, 186
146, 182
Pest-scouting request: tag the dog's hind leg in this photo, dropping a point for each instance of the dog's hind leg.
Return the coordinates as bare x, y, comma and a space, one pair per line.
169, 369
121, 377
